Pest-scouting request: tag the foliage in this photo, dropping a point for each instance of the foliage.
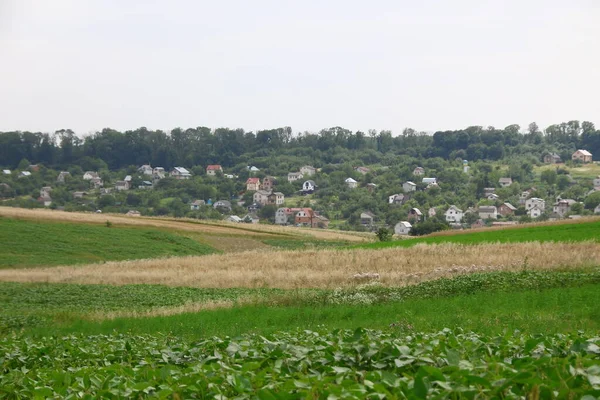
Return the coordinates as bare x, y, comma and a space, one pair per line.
427, 227
307, 364
384, 234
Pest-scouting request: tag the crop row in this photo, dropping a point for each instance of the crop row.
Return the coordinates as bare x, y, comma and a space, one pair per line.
303, 364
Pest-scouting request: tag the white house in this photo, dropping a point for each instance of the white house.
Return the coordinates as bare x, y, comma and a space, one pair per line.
6, 171
453, 214
261, 197
493, 196
396, 199
197, 204
409, 186
308, 187
535, 202
145, 169
211, 170
419, 171
180, 173
535, 211
24, 174
505, 182
234, 218
402, 228
351, 183
429, 180
308, 170
89, 175
294, 176
487, 212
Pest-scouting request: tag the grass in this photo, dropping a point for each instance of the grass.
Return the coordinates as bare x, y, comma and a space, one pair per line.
561, 232
287, 244
30, 243
589, 171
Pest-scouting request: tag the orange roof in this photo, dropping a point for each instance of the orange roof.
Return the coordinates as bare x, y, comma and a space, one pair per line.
253, 180
213, 167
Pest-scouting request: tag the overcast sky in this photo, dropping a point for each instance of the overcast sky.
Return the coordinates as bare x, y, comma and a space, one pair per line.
429, 65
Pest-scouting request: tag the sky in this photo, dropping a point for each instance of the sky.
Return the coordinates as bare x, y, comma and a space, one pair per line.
260, 64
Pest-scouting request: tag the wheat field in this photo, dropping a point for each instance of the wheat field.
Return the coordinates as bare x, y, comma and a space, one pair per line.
322, 268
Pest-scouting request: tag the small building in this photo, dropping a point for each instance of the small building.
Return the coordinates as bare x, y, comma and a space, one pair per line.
597, 183
419, 171
583, 156
276, 198
535, 202
488, 212
45, 191
488, 191
34, 168
234, 218
6, 171
562, 207
268, 183
371, 187
128, 178
396, 199
158, 173
96, 183
478, 224
492, 197
402, 228
282, 216
212, 170
224, 205
196, 204
414, 214
309, 187
367, 218
46, 201
252, 169
453, 214
506, 209
145, 169
133, 213
552, 158
351, 183
62, 176
89, 175
409, 187
145, 185
429, 180
535, 212
261, 197
308, 170
121, 185
253, 184
505, 182
525, 195
363, 170
180, 173
24, 174
79, 195
431, 212
294, 176
320, 221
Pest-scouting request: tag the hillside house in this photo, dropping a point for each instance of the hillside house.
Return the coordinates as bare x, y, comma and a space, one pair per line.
552, 158
371, 187
45, 191
351, 183
419, 171
294, 176
505, 182
145, 169
283, 215
414, 214
133, 213
261, 197
320, 222
562, 207
268, 183
46, 201
6, 171
253, 169
363, 170
96, 183
180, 173
396, 199
24, 174
409, 187
276, 198
308, 170
253, 184
429, 180
535, 212
196, 204
488, 191
233, 218
525, 195
158, 173
478, 224
212, 170
431, 212
122, 185
304, 216
453, 214
492, 197
128, 178
34, 168
146, 185
488, 212
583, 156
506, 209
535, 202
309, 187
222, 205
89, 175
62, 176
79, 195
402, 228
367, 218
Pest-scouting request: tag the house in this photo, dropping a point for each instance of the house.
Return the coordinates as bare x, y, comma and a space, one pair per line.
233, 218
582, 155
276, 198
419, 171
506, 209
122, 185
488, 212
320, 222
79, 195
562, 207
146, 185
105, 191
252, 169
597, 183
34, 168
466, 166
128, 178
224, 205
212, 170
180, 173
396, 199
96, 183
251, 219
492, 197
367, 218
505, 182
362, 170
409, 187
196, 204
230, 176
62, 176
254, 207
282, 216
24, 174
6, 171
535, 211
268, 183
145, 169
402, 228
488, 191
304, 216
415, 214
45, 191
371, 187
253, 184
309, 187
158, 173
432, 185
351, 183
597, 209
454, 214
525, 195
133, 213
552, 158
89, 175
46, 201
535, 202
429, 180
294, 176
261, 197
431, 212
308, 170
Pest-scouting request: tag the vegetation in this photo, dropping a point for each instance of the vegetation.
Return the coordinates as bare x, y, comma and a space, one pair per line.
32, 243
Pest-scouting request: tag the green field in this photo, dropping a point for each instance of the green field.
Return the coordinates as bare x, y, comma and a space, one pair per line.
35, 243
575, 232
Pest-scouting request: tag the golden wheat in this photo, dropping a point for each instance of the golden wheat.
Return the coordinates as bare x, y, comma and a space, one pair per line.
320, 269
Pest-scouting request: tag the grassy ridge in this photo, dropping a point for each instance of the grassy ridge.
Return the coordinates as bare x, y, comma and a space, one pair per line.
575, 232
33, 243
